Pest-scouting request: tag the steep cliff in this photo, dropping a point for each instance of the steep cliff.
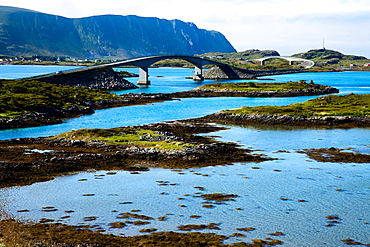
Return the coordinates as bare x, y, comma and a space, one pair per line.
27, 32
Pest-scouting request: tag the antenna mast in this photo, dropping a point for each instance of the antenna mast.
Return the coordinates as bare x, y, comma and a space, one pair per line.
323, 44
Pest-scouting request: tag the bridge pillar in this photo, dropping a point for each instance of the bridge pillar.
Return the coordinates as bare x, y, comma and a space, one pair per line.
290, 62
262, 62
198, 76
143, 76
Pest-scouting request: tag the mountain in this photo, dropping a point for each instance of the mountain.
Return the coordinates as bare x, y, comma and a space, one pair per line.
26, 32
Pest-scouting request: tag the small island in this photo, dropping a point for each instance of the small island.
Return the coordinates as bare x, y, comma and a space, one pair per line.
333, 110
29, 103
254, 89
168, 145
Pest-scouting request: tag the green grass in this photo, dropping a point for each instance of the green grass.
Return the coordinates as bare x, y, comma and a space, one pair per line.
252, 86
172, 63
333, 59
19, 96
122, 136
325, 60
332, 105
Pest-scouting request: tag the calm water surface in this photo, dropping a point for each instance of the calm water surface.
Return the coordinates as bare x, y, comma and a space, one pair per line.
326, 188
22, 71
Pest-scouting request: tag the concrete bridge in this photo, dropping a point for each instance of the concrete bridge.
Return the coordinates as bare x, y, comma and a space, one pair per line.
144, 63
305, 62
103, 77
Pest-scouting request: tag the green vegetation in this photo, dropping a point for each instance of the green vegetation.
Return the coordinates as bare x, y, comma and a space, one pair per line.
333, 59
126, 74
325, 54
241, 59
172, 63
332, 105
18, 97
325, 60
123, 136
252, 86
72, 37
248, 54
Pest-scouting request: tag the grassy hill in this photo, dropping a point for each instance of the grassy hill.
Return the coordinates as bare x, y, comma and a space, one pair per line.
331, 58
247, 54
324, 59
241, 59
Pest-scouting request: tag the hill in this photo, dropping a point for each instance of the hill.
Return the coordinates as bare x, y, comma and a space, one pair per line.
323, 58
26, 32
326, 57
247, 54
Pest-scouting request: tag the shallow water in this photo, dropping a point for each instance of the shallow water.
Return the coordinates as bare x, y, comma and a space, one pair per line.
22, 71
260, 187
326, 188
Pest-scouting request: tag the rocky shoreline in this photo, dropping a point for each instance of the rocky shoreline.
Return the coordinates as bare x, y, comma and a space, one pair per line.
285, 120
230, 72
51, 116
57, 116
29, 160
201, 92
98, 78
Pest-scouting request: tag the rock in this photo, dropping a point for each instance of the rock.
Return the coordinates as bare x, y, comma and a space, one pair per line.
99, 78
292, 121
231, 72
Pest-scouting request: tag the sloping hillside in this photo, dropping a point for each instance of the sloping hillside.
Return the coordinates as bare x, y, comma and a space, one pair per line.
325, 57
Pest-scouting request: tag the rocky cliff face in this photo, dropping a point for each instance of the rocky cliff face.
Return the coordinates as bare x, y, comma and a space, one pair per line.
26, 32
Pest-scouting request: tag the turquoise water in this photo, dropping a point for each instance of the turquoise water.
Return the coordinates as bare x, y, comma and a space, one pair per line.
173, 80
292, 176
144, 114
22, 71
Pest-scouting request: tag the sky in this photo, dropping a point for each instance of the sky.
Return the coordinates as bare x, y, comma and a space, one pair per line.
287, 26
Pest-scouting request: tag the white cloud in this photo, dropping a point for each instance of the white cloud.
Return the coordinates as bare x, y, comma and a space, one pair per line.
289, 26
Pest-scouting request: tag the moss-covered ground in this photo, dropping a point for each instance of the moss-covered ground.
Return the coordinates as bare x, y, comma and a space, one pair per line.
332, 105
30, 160
253, 86
134, 136
18, 97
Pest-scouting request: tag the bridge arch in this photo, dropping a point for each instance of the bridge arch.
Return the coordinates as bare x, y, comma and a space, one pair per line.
144, 63
307, 63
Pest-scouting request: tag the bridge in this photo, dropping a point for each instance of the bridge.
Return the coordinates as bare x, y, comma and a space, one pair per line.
144, 63
305, 62
103, 77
